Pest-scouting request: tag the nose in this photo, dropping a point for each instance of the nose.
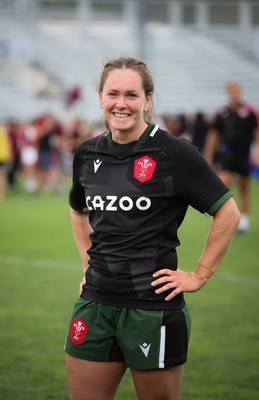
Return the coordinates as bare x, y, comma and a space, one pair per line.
121, 102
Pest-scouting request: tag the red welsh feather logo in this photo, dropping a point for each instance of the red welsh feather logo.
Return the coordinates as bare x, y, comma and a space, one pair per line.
144, 168
78, 331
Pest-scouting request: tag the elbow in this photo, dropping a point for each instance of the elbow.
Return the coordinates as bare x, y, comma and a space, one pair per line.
236, 217
229, 214
233, 213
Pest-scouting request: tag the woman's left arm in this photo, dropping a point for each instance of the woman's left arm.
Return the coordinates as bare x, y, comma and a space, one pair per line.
222, 229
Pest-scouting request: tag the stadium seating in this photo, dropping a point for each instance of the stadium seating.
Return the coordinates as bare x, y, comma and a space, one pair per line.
190, 66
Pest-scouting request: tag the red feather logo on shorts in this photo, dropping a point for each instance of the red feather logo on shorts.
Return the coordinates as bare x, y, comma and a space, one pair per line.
144, 168
78, 331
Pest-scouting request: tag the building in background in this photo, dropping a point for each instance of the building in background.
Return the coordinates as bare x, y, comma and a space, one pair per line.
49, 47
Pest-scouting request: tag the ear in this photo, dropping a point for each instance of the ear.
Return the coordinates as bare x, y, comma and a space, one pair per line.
148, 102
100, 97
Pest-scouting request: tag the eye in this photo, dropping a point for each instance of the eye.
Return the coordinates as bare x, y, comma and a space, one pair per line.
112, 94
131, 96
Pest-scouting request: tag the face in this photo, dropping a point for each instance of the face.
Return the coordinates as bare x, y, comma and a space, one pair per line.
124, 102
234, 92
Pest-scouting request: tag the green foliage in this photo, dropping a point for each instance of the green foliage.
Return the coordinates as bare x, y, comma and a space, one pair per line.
40, 271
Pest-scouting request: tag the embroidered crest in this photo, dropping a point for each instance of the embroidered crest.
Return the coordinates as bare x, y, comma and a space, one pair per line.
78, 331
144, 168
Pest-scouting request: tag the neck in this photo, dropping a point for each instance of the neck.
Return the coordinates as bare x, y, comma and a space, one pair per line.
127, 136
234, 104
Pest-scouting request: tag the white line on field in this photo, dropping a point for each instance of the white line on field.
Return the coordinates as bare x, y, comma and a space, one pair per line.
42, 263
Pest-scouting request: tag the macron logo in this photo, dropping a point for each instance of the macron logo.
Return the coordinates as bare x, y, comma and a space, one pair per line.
97, 164
145, 348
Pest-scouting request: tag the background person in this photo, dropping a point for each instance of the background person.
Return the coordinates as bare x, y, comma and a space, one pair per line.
200, 129
5, 158
234, 129
131, 189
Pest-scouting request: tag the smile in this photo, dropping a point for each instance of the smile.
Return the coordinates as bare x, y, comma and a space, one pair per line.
119, 115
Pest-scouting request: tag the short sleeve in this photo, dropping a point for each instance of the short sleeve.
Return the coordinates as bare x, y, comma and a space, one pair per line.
196, 182
76, 195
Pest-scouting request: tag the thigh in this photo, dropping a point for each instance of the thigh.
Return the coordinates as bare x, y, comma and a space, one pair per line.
164, 384
154, 339
92, 332
91, 380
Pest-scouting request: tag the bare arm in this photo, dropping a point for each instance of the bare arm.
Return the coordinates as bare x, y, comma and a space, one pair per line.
81, 229
211, 145
255, 149
224, 224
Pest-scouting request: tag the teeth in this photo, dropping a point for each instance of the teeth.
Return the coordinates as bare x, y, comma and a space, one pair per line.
121, 115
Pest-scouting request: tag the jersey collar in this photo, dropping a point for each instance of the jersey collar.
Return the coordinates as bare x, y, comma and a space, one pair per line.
149, 131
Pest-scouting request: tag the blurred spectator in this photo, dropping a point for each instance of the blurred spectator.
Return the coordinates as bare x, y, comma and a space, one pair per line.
72, 96
233, 131
199, 130
41, 152
177, 125
49, 131
16, 134
30, 157
169, 123
183, 126
74, 133
5, 158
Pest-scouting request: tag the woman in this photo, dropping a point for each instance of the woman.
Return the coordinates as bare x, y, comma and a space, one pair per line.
234, 129
131, 190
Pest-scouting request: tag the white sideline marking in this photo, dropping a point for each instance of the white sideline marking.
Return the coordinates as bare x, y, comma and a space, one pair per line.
227, 276
41, 263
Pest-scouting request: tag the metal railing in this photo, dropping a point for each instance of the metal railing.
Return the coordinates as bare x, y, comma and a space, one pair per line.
202, 13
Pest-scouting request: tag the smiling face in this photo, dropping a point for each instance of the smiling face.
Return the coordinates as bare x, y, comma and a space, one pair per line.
124, 103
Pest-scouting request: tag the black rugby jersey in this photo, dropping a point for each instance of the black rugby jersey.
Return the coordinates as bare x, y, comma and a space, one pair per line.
137, 196
236, 128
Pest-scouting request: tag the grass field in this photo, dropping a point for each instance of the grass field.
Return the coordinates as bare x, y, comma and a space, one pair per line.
40, 272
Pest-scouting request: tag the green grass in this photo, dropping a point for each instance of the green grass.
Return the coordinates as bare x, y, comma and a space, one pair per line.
40, 272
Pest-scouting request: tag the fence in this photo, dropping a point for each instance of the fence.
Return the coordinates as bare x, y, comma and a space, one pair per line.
200, 13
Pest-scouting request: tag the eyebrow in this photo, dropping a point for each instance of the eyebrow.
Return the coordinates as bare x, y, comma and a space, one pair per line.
127, 91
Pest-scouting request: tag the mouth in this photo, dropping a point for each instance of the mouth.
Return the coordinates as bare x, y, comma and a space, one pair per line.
121, 115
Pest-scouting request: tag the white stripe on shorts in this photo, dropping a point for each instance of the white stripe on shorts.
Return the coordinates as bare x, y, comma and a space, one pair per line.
162, 348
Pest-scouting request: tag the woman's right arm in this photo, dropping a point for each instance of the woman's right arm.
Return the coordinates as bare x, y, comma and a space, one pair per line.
81, 229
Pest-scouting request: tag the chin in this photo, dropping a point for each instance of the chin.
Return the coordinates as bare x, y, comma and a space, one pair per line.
122, 126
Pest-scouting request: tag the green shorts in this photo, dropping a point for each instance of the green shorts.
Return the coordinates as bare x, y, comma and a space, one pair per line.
141, 339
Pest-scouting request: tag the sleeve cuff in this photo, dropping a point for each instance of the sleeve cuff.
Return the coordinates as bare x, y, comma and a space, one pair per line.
218, 203
78, 209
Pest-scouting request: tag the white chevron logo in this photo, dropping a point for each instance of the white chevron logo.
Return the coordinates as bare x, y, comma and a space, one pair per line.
97, 164
145, 348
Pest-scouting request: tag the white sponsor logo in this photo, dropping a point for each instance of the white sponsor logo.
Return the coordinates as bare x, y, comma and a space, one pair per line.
145, 348
113, 203
97, 164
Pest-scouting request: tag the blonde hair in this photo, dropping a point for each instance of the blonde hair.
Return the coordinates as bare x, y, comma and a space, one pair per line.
136, 65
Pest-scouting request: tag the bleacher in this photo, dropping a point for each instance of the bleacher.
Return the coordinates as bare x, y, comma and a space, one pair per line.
190, 67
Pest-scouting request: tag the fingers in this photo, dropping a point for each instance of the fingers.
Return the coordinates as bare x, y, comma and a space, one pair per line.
166, 278
164, 271
169, 286
82, 283
175, 281
173, 294
164, 288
